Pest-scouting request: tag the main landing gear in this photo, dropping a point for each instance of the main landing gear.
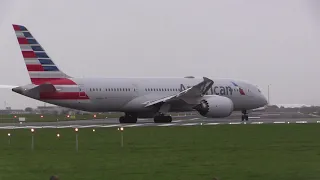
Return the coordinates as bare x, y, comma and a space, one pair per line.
161, 118
128, 118
244, 116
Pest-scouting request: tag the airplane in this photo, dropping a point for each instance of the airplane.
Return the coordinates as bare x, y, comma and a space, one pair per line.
135, 97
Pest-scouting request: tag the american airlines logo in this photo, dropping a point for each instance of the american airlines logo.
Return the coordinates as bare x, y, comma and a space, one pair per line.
218, 90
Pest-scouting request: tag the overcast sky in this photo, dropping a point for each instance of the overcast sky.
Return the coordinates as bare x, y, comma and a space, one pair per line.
264, 42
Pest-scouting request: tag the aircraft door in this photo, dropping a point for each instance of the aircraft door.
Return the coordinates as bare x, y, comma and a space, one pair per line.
135, 89
82, 92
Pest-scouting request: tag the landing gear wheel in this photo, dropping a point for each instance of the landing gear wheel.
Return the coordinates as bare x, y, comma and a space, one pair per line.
128, 119
162, 119
244, 116
122, 119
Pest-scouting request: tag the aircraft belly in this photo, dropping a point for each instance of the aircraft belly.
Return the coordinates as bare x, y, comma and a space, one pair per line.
137, 104
109, 104
83, 105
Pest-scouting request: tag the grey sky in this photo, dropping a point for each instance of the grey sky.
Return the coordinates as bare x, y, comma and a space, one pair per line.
264, 42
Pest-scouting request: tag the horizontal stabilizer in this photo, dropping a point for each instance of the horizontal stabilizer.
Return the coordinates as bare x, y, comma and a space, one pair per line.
7, 86
44, 88
35, 90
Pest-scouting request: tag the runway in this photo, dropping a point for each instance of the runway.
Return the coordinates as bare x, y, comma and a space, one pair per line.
177, 121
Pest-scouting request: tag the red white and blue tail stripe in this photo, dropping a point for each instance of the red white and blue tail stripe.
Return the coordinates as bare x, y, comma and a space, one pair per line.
240, 89
42, 70
40, 66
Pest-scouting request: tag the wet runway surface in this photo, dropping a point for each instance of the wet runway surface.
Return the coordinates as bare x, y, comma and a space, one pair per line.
177, 121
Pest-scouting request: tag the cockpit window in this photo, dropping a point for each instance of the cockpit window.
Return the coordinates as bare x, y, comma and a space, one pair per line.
259, 90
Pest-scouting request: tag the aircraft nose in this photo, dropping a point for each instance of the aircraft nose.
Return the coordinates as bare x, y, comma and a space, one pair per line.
264, 100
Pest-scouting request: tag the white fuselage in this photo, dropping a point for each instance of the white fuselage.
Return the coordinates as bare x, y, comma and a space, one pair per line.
130, 94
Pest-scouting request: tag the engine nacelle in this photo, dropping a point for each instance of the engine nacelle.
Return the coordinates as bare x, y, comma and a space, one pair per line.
214, 106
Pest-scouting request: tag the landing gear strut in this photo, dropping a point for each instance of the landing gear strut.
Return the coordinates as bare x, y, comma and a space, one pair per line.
161, 118
244, 116
128, 118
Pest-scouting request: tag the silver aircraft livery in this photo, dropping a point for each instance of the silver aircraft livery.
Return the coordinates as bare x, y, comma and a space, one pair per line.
136, 97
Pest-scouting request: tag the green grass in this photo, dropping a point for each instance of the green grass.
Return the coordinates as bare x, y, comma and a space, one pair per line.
233, 152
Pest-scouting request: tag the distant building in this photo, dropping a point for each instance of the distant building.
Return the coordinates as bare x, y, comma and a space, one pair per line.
51, 110
56, 110
13, 111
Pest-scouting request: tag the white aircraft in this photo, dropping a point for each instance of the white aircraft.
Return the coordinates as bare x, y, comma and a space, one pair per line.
136, 97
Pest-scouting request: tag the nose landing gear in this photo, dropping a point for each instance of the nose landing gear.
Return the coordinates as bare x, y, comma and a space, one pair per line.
244, 116
161, 118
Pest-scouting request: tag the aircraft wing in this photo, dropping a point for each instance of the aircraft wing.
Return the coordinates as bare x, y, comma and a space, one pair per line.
187, 95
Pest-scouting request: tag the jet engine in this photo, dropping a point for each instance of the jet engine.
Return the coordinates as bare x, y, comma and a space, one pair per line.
214, 106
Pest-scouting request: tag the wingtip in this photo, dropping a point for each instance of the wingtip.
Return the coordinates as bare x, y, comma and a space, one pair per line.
206, 79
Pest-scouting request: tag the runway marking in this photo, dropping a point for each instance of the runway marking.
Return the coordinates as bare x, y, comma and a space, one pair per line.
254, 117
177, 120
190, 124
33, 127
145, 124
212, 124
271, 114
133, 125
113, 125
314, 115
69, 126
166, 125
257, 123
234, 122
301, 122
193, 119
143, 119
86, 126
49, 127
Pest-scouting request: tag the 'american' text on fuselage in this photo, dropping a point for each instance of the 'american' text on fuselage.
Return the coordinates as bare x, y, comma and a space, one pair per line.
218, 90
